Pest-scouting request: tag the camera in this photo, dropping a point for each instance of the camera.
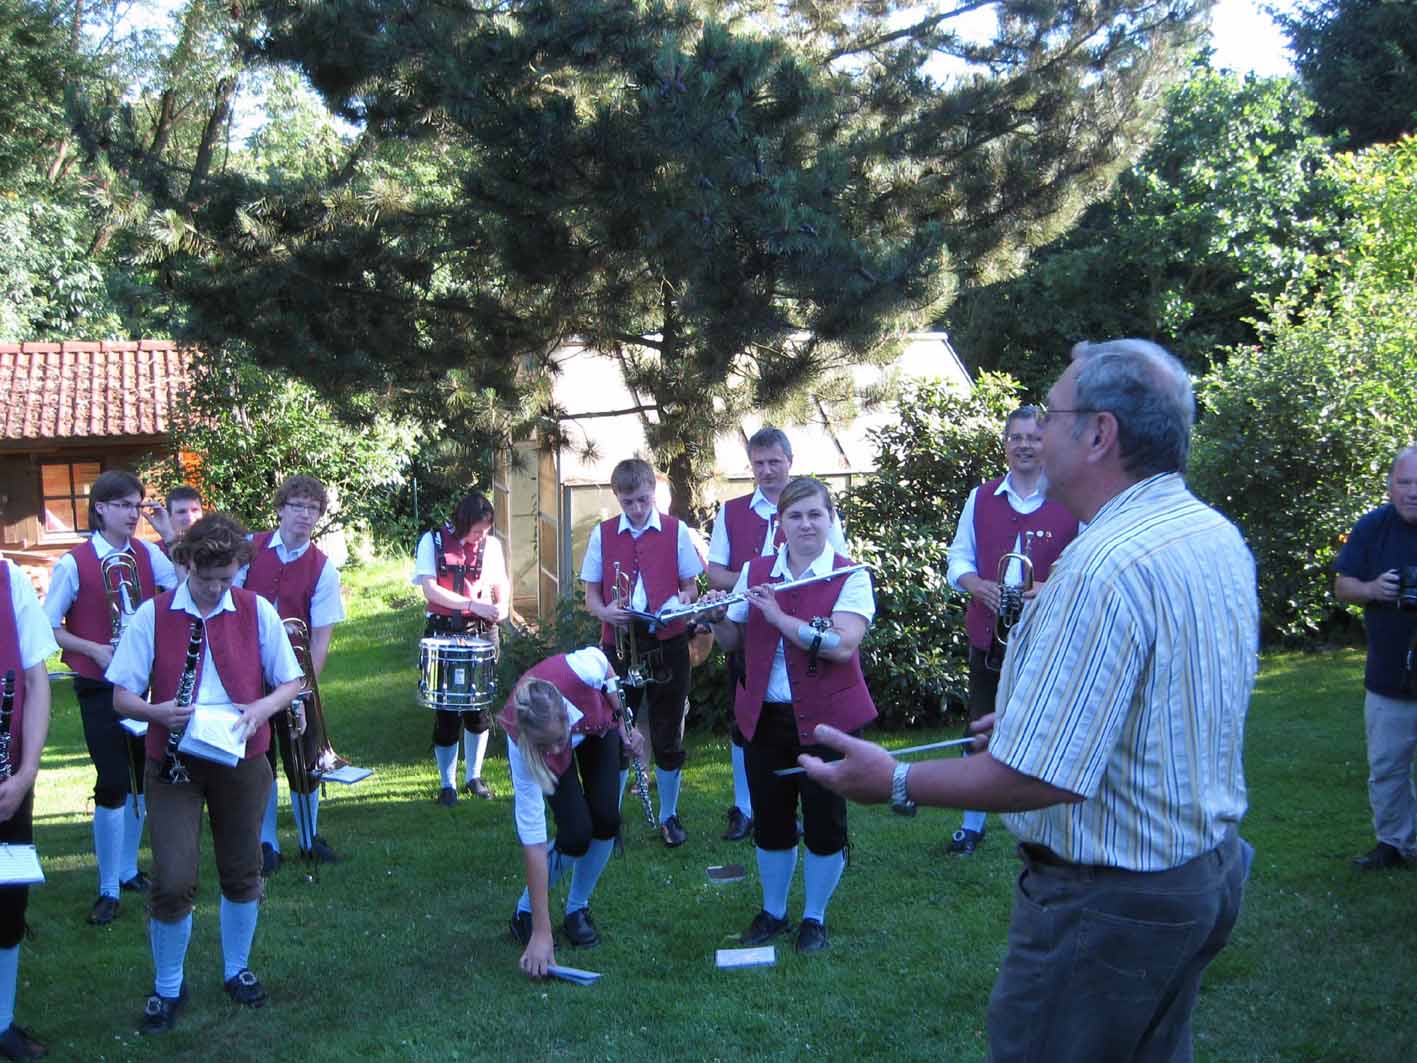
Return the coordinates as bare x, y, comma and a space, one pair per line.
1407, 588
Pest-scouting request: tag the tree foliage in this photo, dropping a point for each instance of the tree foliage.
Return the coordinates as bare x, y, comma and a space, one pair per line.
1358, 58
1225, 211
902, 521
1297, 434
732, 200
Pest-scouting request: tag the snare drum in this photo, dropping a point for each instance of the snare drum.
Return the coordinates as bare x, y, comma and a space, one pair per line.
457, 674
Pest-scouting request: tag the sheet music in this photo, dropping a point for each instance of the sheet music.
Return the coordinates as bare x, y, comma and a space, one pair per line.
762, 956
136, 728
19, 866
209, 734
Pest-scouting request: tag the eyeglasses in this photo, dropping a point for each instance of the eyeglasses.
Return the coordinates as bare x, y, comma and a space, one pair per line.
1043, 414
1015, 438
303, 507
126, 506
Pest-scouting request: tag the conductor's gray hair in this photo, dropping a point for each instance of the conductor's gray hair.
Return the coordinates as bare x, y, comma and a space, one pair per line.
1149, 393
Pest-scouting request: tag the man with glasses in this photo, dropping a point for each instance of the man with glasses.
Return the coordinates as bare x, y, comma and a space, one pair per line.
291, 573
80, 610
1116, 747
995, 521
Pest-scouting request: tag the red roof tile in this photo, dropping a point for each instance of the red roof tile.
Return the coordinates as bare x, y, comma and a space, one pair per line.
88, 390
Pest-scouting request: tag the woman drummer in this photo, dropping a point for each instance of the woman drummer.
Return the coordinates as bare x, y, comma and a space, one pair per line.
564, 735
464, 578
803, 668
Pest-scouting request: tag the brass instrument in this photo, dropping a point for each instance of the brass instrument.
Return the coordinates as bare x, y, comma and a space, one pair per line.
309, 754
638, 675
123, 590
1011, 592
7, 713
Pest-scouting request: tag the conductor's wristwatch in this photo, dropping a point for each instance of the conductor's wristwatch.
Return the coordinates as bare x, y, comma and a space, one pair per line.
900, 799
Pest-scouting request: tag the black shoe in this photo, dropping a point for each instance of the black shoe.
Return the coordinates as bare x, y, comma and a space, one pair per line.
320, 852
160, 1013
739, 825
104, 911
16, 1043
765, 927
811, 937
1384, 857
478, 788
521, 928
965, 841
447, 797
580, 930
139, 883
672, 831
245, 988
270, 859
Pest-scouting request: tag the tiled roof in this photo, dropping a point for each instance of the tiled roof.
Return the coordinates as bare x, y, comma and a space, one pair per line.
56, 391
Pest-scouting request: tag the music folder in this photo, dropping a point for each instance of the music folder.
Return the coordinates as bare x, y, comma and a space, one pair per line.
210, 735
761, 956
572, 974
19, 866
136, 728
347, 775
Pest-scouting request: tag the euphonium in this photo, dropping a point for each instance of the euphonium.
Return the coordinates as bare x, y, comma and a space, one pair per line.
122, 589
311, 753
1011, 592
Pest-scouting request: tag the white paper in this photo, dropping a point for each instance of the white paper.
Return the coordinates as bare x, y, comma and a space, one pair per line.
136, 728
19, 866
209, 735
762, 956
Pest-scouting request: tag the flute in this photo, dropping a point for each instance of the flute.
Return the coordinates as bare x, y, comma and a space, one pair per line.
668, 616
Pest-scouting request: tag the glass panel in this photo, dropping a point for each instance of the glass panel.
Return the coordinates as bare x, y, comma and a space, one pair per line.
85, 473
56, 480
59, 516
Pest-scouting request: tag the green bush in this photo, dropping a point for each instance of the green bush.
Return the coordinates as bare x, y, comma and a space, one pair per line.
902, 521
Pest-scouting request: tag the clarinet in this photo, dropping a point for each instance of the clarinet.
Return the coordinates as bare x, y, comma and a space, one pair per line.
637, 767
7, 712
174, 769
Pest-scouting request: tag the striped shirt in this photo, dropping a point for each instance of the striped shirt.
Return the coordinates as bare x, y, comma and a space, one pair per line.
1127, 681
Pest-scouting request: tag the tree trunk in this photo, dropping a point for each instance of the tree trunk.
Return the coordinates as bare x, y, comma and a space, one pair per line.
225, 89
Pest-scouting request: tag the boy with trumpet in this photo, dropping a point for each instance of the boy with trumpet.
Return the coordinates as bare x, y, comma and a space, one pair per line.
642, 561
93, 590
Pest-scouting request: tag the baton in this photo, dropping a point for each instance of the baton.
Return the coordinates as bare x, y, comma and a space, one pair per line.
901, 752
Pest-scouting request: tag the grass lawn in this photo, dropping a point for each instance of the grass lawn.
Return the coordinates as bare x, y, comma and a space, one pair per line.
403, 952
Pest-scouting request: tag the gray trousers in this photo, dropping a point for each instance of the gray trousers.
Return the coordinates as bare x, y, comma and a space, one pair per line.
1104, 965
1392, 742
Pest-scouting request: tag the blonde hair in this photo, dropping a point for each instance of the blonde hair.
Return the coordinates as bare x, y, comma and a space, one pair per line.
541, 722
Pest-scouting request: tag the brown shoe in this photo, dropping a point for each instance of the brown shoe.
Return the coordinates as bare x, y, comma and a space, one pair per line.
739, 825
1384, 857
105, 910
673, 833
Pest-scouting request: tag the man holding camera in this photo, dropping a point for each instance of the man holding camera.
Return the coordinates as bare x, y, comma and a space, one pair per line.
1377, 569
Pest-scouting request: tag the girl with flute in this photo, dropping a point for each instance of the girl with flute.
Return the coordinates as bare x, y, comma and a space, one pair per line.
801, 648
565, 730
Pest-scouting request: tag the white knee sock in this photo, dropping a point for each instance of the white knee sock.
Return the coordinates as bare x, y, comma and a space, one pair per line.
668, 792
108, 847
447, 758
9, 977
474, 750
820, 874
135, 814
268, 821
238, 930
624, 778
169, 945
775, 868
741, 797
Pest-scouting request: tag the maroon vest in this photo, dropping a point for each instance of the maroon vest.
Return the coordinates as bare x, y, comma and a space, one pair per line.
597, 714
88, 617
10, 660
235, 641
456, 553
290, 588
997, 526
836, 695
654, 556
746, 532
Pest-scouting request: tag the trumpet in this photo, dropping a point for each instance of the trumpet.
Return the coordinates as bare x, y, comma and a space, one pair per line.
123, 590
641, 668
1011, 592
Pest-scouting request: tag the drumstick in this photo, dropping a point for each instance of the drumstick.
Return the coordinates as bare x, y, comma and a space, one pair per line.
901, 752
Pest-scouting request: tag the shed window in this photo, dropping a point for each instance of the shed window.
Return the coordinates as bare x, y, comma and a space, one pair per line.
65, 486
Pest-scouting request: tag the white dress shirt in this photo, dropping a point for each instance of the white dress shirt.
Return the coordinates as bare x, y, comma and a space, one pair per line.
688, 559
64, 576
326, 607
